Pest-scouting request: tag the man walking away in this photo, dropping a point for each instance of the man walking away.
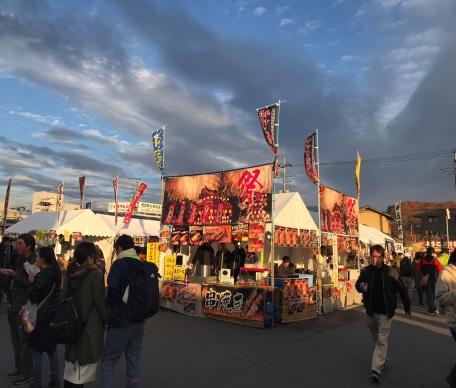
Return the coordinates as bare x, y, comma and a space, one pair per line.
405, 270
23, 354
379, 284
429, 265
123, 334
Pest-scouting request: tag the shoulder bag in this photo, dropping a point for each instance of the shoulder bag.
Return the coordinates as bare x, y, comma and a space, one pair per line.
29, 313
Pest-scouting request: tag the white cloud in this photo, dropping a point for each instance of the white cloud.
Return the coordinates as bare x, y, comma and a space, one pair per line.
403, 53
284, 22
8, 161
282, 10
350, 58
259, 11
429, 37
309, 26
387, 4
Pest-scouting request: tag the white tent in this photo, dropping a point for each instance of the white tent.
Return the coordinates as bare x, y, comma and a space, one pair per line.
136, 227
92, 228
290, 211
372, 236
84, 221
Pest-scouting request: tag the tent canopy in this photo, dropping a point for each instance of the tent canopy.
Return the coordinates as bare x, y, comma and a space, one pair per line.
290, 211
372, 236
136, 227
84, 221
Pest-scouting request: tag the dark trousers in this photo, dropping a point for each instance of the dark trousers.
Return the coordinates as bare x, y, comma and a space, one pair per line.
126, 339
23, 353
429, 290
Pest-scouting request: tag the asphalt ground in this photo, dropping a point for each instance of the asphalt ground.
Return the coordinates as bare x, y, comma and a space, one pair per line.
333, 350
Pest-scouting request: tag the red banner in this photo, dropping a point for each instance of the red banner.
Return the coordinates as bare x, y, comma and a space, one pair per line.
310, 161
268, 118
142, 187
115, 184
5, 208
81, 190
59, 200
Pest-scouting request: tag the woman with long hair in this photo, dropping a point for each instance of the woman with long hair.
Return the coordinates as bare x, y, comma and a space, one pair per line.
445, 292
81, 358
45, 284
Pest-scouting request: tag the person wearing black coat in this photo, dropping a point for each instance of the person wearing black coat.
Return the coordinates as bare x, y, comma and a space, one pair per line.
45, 284
380, 284
17, 297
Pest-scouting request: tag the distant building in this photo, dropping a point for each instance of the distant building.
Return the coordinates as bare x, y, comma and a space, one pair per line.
142, 209
431, 224
44, 201
376, 219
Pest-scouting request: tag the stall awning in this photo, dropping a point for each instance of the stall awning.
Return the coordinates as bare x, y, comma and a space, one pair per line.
136, 227
84, 221
372, 236
290, 211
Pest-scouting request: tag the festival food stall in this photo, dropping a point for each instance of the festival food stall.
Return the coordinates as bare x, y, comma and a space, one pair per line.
340, 238
235, 208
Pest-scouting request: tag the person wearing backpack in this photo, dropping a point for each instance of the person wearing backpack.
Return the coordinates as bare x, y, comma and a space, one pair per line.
132, 297
430, 268
81, 357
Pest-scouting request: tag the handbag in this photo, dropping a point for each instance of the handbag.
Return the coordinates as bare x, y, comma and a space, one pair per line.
29, 313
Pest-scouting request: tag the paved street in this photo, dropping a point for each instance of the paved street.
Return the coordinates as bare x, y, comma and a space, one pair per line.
333, 350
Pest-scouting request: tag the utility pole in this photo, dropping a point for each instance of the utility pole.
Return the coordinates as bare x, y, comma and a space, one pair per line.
284, 174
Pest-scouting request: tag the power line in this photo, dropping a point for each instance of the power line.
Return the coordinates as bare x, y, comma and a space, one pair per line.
394, 159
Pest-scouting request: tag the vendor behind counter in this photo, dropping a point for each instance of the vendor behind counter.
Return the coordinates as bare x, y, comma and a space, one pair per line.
204, 255
286, 268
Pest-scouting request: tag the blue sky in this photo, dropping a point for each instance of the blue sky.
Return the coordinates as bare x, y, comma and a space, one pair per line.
83, 85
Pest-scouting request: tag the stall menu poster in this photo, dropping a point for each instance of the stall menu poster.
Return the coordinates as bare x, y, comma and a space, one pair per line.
153, 254
236, 302
179, 273
170, 263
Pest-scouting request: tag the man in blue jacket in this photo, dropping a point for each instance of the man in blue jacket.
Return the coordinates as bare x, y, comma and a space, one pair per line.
123, 334
379, 284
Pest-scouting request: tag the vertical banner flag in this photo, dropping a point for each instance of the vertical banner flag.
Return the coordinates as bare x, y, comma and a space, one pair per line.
268, 119
115, 184
142, 187
310, 161
5, 208
81, 190
158, 144
59, 200
357, 172
397, 208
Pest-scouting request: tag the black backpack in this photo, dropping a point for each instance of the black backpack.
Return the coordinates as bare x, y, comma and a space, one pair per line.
67, 324
405, 268
143, 295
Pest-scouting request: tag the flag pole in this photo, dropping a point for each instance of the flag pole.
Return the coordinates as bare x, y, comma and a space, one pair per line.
273, 211
319, 279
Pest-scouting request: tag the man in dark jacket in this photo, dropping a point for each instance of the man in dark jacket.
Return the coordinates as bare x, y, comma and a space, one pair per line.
23, 354
123, 334
379, 284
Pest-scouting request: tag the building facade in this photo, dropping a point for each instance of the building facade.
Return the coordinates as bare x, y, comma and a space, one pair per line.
376, 219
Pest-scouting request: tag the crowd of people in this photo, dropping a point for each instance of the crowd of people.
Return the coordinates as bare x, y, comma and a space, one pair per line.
84, 276
434, 278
